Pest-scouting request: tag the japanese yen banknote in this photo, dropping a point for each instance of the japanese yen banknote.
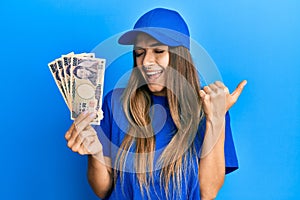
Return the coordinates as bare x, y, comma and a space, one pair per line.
80, 78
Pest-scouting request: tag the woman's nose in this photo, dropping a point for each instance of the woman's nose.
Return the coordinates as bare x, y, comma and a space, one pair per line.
148, 58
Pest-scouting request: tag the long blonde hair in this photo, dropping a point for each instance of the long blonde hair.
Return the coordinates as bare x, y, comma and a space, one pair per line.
184, 101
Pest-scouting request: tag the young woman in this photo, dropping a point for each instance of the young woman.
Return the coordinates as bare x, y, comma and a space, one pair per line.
161, 137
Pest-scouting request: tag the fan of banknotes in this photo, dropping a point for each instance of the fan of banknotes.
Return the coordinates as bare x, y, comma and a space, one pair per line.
80, 78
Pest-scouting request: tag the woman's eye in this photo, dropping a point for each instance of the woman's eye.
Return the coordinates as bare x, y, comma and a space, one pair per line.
159, 51
138, 53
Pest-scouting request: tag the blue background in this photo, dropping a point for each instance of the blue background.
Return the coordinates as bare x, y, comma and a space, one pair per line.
254, 40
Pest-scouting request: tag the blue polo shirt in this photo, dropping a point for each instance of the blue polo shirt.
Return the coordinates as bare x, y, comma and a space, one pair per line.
112, 131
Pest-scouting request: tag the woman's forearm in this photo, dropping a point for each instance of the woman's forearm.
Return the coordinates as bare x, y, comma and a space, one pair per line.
212, 164
99, 174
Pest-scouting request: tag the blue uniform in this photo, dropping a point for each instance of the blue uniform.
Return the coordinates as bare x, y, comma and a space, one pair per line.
113, 129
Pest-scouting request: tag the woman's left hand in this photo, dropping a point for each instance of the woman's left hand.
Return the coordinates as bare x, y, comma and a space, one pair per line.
217, 100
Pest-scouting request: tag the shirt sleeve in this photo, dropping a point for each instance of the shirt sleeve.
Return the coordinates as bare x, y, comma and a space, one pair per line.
231, 161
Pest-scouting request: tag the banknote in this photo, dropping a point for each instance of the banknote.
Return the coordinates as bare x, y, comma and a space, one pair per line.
55, 73
67, 72
87, 78
61, 73
80, 78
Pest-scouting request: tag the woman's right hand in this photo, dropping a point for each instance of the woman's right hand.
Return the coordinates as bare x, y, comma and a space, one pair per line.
81, 137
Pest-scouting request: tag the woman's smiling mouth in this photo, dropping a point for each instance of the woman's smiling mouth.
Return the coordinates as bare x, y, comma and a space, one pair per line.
152, 74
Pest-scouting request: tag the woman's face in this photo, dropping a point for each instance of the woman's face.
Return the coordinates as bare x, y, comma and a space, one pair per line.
152, 58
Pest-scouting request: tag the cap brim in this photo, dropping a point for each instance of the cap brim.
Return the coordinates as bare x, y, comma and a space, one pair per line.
165, 36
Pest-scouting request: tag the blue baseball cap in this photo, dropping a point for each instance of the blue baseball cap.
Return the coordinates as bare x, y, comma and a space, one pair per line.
166, 26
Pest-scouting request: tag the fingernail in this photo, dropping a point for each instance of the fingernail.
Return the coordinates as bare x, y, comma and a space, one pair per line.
93, 115
202, 93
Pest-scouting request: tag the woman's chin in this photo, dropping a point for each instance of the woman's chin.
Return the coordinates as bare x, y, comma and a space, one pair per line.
157, 89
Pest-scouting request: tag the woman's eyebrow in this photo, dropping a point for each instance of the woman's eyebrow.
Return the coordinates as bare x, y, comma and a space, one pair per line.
156, 44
